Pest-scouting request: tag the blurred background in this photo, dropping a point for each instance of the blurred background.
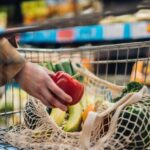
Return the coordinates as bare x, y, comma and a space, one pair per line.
97, 20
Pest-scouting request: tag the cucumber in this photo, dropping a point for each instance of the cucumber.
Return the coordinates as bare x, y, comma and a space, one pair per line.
58, 116
53, 67
49, 67
75, 117
43, 64
59, 67
73, 71
67, 67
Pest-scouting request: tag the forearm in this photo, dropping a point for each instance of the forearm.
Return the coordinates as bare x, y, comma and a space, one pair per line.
11, 62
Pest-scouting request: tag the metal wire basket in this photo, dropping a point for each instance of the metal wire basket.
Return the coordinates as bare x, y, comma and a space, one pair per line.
115, 63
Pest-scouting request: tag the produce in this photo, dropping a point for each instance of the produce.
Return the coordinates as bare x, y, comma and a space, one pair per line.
135, 119
49, 66
85, 113
141, 72
74, 120
131, 87
65, 66
75, 89
58, 116
69, 85
59, 67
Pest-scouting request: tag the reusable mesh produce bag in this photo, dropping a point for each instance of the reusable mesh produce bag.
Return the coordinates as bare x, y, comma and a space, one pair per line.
121, 125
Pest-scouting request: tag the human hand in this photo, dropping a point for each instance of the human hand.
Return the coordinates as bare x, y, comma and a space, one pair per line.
36, 81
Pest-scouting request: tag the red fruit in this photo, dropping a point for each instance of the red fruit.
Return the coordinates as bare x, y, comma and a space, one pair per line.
69, 85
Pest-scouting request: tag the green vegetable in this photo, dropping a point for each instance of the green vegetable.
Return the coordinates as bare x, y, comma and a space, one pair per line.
53, 67
135, 119
131, 87
73, 71
59, 67
44, 64
49, 66
67, 67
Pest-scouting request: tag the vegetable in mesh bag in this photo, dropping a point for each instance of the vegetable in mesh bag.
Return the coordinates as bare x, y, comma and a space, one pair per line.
58, 137
133, 127
127, 126
131, 87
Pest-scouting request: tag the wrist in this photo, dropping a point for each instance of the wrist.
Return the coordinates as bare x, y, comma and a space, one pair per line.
22, 71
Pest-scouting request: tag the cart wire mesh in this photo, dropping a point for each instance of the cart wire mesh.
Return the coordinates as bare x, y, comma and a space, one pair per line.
118, 64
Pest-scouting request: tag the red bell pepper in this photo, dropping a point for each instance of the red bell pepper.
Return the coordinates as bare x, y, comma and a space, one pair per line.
69, 85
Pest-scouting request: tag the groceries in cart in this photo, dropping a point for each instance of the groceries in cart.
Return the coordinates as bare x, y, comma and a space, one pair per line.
102, 115
73, 119
86, 124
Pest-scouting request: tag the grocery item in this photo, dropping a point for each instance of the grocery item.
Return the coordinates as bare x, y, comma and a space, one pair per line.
130, 87
69, 85
136, 74
123, 124
59, 67
3, 20
67, 67
58, 116
64, 65
118, 19
85, 113
34, 11
141, 72
74, 121
143, 15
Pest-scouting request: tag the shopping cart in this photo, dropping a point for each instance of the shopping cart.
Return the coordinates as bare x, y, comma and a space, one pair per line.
113, 63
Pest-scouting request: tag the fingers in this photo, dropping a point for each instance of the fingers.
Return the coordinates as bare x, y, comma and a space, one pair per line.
59, 92
44, 101
52, 100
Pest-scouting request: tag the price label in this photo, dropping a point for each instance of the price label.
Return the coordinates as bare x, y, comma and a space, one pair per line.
114, 31
140, 30
66, 35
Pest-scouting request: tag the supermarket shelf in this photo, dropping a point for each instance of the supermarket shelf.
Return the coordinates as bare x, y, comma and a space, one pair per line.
11, 1
55, 23
91, 33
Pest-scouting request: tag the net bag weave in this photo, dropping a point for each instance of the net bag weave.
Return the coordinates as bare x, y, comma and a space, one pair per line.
121, 125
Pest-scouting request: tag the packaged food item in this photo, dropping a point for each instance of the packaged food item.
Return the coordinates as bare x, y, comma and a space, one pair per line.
3, 20
119, 19
60, 7
34, 11
143, 15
